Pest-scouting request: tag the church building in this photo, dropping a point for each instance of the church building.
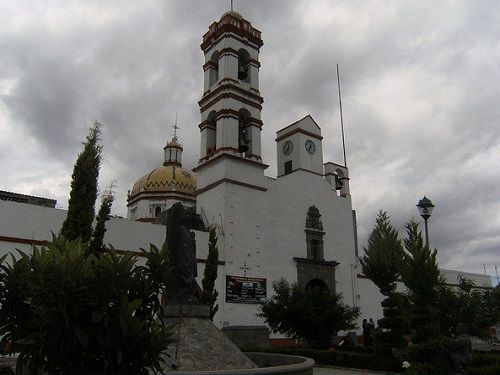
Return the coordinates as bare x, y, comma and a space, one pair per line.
299, 226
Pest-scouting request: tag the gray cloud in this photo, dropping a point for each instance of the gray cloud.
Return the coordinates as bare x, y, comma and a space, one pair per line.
419, 83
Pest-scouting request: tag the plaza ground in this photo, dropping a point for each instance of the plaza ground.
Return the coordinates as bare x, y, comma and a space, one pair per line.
345, 371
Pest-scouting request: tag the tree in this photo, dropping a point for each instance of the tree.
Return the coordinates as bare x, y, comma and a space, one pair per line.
96, 246
313, 314
467, 304
209, 295
421, 276
382, 264
384, 255
83, 194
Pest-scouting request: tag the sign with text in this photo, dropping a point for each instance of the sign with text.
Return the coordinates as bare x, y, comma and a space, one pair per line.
245, 289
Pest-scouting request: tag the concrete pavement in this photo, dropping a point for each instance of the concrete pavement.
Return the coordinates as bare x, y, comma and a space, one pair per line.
344, 371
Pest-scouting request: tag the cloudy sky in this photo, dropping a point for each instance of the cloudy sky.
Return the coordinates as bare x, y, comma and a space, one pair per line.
420, 90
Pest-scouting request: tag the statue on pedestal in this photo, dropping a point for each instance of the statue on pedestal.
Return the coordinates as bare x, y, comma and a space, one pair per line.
182, 290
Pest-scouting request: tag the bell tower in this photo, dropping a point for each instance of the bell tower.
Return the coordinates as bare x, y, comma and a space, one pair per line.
230, 127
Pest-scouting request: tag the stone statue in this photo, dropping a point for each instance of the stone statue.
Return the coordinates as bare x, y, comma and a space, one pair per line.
458, 351
182, 251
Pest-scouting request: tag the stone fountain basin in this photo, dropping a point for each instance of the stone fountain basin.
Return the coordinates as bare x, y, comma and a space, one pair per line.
269, 363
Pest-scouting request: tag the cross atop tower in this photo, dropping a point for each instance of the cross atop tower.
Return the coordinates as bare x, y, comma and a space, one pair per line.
175, 127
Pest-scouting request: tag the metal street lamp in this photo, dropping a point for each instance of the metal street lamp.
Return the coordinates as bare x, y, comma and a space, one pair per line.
425, 207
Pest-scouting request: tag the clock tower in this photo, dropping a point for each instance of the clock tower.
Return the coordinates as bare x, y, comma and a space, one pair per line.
299, 147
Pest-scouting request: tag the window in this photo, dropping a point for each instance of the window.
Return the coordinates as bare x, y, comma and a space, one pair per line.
157, 211
288, 167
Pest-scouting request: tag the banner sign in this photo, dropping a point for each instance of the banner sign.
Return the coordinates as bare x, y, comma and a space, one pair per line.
245, 289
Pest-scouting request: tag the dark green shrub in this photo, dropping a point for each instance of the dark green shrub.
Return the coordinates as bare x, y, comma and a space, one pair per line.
67, 312
5, 370
485, 363
313, 314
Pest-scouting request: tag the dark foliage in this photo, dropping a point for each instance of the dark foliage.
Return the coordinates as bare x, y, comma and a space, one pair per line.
383, 257
83, 194
313, 315
420, 274
96, 246
6, 370
484, 363
209, 295
382, 263
476, 306
70, 313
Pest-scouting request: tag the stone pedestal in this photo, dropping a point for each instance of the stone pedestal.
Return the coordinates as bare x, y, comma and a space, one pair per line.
248, 337
200, 345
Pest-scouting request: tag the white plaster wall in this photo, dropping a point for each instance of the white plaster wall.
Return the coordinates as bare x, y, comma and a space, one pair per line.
30, 222
453, 276
264, 230
232, 168
370, 298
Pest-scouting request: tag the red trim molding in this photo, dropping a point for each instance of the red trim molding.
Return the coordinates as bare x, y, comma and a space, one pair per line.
26, 241
301, 169
119, 251
230, 181
232, 156
232, 87
298, 130
231, 24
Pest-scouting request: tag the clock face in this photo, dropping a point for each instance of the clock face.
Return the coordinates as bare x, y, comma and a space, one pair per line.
287, 147
310, 147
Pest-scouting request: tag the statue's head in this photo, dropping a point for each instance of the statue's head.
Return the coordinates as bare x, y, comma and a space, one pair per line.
176, 214
189, 216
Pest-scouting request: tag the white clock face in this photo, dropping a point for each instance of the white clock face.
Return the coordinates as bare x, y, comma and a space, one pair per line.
287, 147
310, 147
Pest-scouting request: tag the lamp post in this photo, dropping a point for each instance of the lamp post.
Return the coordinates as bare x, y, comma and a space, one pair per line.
425, 207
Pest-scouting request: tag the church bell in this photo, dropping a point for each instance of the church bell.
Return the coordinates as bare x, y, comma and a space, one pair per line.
338, 183
242, 146
242, 72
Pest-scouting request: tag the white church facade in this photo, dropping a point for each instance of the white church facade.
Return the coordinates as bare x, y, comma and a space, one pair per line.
299, 226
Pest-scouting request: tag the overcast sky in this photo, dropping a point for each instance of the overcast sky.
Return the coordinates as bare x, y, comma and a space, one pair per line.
420, 90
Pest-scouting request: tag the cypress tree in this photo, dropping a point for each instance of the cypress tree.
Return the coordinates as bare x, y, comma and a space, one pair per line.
421, 276
97, 243
83, 194
382, 263
209, 295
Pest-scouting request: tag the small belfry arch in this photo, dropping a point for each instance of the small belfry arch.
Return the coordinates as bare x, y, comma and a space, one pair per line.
211, 142
244, 136
214, 68
244, 70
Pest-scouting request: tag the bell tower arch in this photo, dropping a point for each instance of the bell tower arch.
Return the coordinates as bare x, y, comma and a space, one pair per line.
231, 104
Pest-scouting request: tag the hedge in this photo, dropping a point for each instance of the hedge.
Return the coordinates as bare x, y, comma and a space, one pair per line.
485, 363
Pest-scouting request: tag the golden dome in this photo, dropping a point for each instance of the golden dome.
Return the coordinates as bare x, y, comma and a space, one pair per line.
232, 13
167, 178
